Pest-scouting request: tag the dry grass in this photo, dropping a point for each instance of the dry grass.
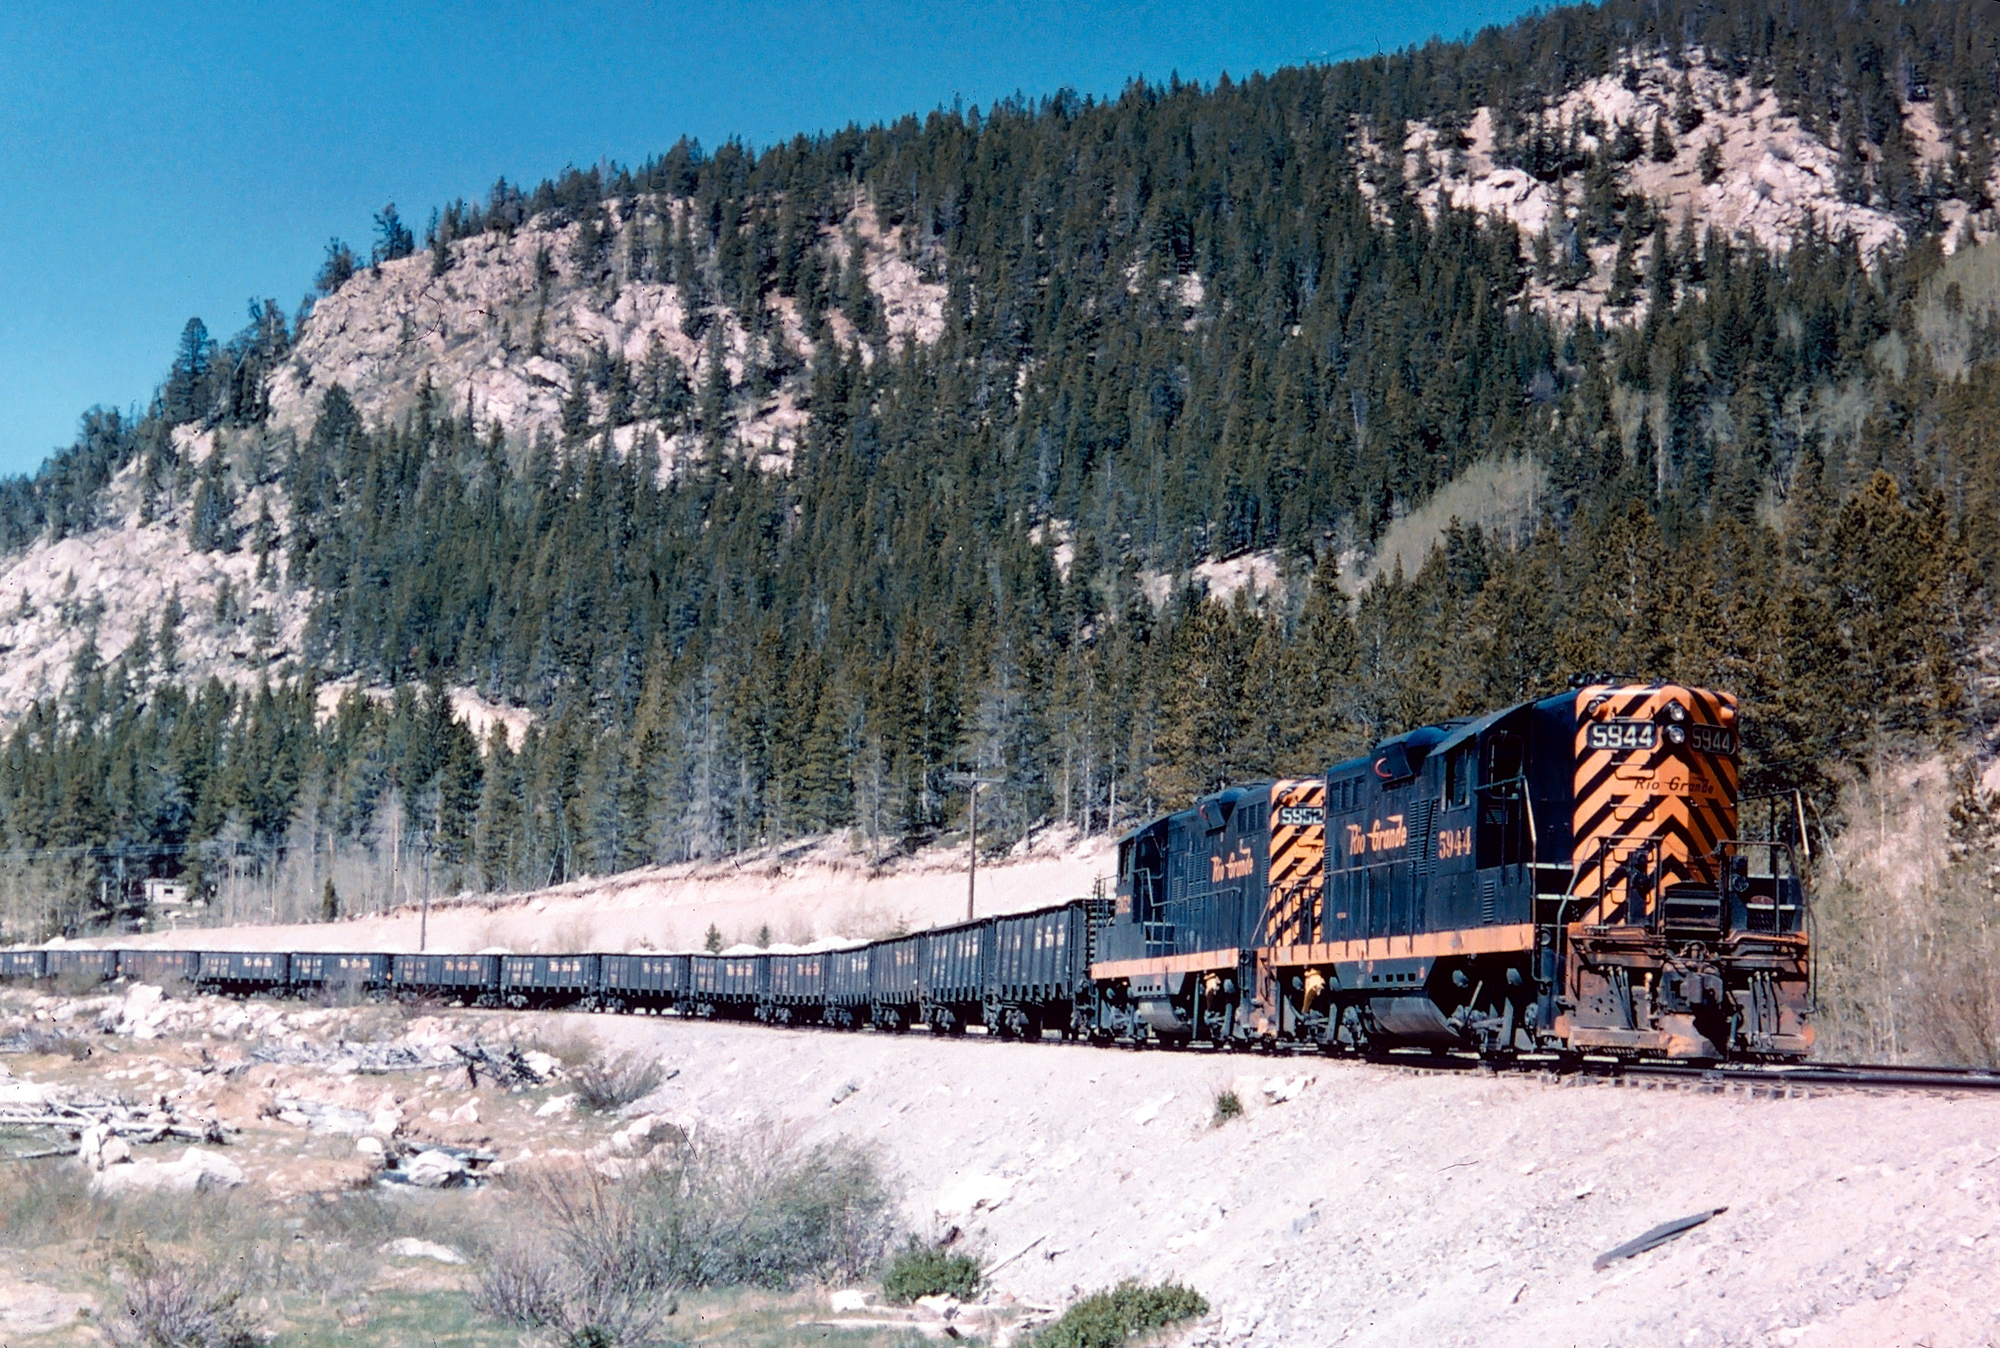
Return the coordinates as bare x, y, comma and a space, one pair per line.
601, 1263
606, 1084
297, 1257
171, 1303
1907, 920
568, 1044
54, 1043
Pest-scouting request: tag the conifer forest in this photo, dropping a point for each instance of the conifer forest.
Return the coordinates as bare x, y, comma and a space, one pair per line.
1186, 324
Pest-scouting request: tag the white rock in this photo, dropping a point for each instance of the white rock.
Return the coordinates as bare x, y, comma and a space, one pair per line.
409, 1247
556, 1105
197, 1169
17, 1092
371, 1147
386, 1122
434, 1169
971, 1193
850, 1299
466, 1113
543, 1065
141, 1015
89, 1143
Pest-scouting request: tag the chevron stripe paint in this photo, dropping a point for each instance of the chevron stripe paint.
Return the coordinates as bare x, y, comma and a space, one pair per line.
1298, 860
1661, 810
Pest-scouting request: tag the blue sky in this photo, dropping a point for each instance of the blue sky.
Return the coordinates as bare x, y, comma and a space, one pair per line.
163, 161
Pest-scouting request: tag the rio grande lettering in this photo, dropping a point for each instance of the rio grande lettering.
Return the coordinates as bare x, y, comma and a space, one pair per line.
1378, 838
1232, 867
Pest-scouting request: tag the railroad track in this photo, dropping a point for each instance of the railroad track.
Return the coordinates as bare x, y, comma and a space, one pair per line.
1774, 1077
1819, 1075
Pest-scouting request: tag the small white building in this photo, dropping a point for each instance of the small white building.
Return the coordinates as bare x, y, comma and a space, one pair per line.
166, 893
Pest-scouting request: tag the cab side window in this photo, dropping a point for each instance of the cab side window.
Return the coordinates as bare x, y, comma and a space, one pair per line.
1458, 779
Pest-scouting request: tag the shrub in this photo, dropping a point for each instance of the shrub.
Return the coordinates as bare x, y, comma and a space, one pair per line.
1228, 1105
605, 1084
174, 1305
54, 1043
754, 1210
77, 983
922, 1269
1128, 1310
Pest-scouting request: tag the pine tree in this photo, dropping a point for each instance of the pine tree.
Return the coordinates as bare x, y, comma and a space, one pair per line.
1663, 149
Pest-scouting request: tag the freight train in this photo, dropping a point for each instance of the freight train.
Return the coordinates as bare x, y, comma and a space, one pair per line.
1564, 876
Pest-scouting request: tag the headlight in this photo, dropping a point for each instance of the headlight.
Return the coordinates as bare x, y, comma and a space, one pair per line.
1676, 713
1677, 734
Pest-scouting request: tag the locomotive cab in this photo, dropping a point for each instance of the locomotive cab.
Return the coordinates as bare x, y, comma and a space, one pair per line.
1565, 874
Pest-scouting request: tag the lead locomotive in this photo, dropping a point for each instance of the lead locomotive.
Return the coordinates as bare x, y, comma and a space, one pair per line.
1567, 874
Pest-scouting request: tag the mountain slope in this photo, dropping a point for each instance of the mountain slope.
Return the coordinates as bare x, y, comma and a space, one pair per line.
764, 492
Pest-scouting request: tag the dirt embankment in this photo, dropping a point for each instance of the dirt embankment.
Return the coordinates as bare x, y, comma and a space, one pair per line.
1349, 1204
798, 895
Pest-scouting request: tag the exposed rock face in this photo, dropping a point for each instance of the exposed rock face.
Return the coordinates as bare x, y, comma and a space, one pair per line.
1770, 179
104, 588
508, 326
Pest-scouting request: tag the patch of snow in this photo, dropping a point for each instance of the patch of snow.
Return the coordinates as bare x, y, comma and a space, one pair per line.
1257, 572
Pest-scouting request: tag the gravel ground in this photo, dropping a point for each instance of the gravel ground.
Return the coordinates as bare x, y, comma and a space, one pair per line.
1379, 1205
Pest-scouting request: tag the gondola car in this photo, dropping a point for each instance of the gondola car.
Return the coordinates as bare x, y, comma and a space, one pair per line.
80, 964
471, 980
952, 970
23, 965
550, 980
795, 988
1038, 975
896, 982
162, 967
643, 983
727, 987
847, 1000
241, 973
340, 972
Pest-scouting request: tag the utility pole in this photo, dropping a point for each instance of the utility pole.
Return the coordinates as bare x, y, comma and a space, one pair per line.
424, 921
972, 781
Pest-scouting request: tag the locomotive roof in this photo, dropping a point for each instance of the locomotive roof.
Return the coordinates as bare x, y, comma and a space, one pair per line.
1232, 793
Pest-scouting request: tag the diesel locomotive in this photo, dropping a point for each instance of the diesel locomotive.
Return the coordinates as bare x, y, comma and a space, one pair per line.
1569, 875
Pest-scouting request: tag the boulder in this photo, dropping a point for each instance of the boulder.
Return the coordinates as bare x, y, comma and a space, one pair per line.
197, 1169
435, 1170
409, 1247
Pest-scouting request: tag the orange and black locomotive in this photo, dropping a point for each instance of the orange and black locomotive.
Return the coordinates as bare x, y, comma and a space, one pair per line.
1568, 874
